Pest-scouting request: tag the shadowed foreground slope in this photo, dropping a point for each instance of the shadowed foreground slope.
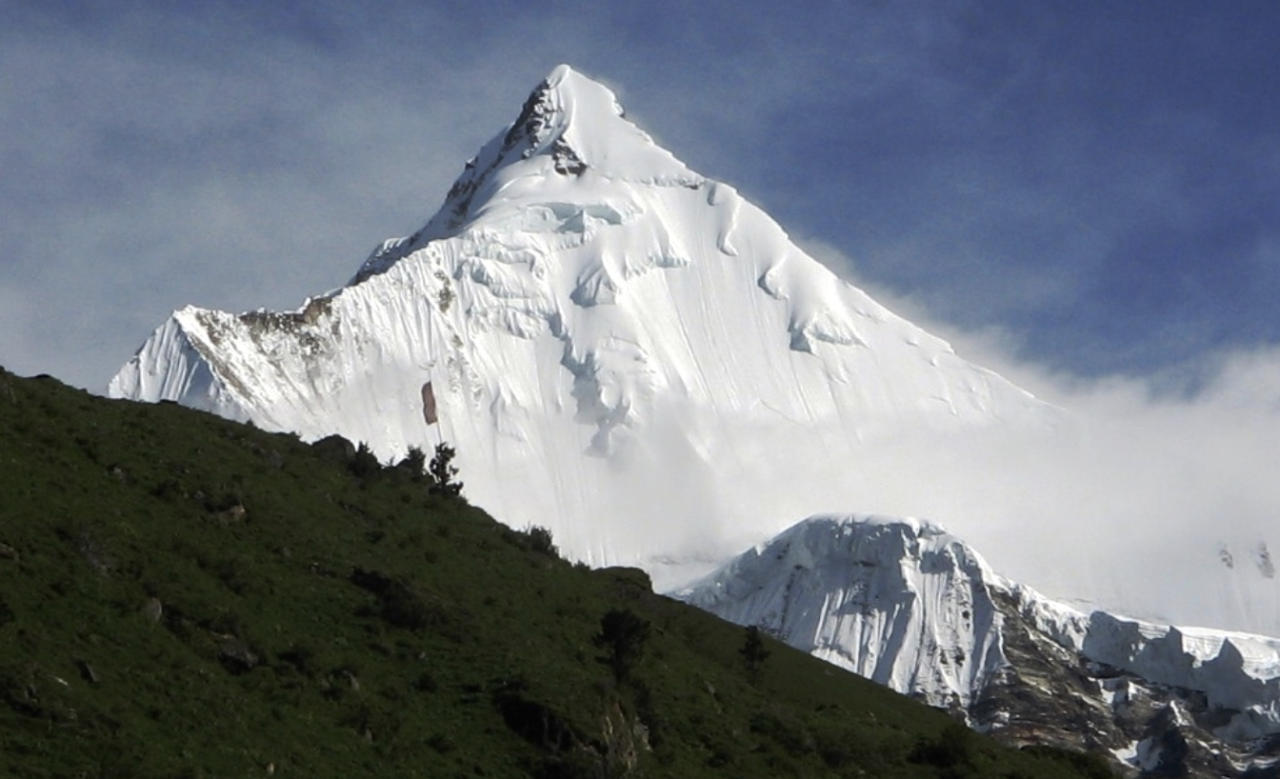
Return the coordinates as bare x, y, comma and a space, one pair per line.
184, 596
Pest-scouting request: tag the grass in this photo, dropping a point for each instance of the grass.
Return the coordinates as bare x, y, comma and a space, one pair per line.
183, 596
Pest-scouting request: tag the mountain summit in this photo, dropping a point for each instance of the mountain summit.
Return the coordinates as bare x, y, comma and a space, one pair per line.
620, 349
570, 126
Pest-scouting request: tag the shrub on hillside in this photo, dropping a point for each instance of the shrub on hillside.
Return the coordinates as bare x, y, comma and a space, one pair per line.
622, 636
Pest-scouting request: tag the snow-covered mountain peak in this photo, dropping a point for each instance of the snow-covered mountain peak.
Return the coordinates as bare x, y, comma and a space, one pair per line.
581, 125
621, 350
570, 146
860, 540
905, 603
897, 600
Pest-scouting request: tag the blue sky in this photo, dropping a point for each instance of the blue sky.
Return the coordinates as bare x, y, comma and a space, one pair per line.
1094, 186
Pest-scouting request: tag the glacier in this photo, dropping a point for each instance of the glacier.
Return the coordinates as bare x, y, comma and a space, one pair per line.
623, 351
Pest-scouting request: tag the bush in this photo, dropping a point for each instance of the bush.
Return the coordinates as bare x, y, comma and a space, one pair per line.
785, 729
540, 541
414, 463
532, 539
952, 749
364, 463
753, 652
400, 603
1090, 765
622, 636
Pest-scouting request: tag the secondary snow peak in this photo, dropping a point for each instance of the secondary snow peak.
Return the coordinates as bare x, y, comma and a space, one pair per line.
905, 603
897, 600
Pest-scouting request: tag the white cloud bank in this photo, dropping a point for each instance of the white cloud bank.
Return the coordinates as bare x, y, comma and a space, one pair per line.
1164, 503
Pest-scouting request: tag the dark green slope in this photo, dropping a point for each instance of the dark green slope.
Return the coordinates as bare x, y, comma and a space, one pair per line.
185, 596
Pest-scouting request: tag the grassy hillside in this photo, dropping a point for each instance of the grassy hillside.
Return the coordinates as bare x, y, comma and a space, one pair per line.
182, 596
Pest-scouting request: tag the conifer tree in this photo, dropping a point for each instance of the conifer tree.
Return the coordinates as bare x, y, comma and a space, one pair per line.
622, 637
753, 651
444, 472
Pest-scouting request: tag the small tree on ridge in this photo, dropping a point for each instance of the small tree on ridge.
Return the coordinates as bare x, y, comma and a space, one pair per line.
444, 472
